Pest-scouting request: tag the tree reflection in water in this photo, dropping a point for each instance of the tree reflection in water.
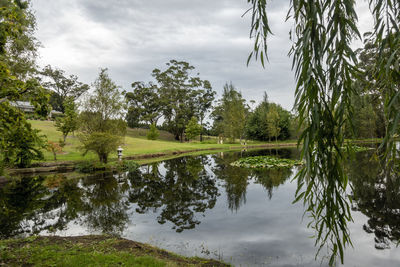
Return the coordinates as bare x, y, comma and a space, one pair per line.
376, 193
237, 179
180, 190
185, 189
105, 204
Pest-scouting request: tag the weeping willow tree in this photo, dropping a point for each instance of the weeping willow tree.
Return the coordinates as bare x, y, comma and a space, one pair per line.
325, 68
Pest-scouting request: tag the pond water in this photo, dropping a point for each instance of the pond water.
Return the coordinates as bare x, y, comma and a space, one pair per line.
202, 206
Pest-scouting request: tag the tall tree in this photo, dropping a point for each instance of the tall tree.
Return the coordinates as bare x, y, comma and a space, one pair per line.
68, 123
233, 112
102, 127
204, 102
180, 91
63, 86
273, 122
144, 104
17, 81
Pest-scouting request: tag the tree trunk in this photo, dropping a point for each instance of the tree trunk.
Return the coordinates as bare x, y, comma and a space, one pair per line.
65, 137
55, 155
201, 133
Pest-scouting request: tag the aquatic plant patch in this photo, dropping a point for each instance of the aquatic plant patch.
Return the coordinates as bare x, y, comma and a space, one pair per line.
265, 162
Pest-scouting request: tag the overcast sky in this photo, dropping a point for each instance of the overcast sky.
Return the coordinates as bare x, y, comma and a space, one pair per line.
132, 37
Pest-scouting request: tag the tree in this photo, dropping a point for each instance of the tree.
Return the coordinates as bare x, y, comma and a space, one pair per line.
231, 113
144, 104
204, 103
153, 132
273, 123
193, 129
102, 128
180, 92
62, 86
325, 67
54, 148
69, 122
19, 144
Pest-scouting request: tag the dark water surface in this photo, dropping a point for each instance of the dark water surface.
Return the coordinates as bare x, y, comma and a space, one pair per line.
201, 206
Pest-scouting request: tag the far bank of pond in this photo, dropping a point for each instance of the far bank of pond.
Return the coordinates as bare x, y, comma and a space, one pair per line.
161, 155
202, 206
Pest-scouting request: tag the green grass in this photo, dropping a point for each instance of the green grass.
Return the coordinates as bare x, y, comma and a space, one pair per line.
134, 144
89, 251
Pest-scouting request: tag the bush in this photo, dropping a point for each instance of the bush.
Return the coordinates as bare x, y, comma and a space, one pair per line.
128, 165
100, 143
90, 166
153, 132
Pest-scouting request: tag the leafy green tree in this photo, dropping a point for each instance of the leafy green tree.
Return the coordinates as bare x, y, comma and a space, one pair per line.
153, 132
17, 82
101, 127
62, 87
257, 121
231, 113
69, 122
22, 143
180, 92
144, 104
204, 103
273, 122
193, 129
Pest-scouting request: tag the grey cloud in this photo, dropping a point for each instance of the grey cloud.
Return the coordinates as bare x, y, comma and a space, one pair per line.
132, 37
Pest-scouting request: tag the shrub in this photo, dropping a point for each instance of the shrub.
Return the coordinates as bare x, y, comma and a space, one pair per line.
90, 166
153, 132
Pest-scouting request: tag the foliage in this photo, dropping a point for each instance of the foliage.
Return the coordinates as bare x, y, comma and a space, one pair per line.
55, 148
63, 87
153, 132
89, 166
144, 104
273, 122
325, 66
230, 115
102, 143
183, 95
265, 162
69, 121
19, 143
193, 129
102, 128
17, 81
128, 165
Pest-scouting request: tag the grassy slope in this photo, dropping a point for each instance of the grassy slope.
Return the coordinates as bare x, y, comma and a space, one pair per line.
134, 144
89, 251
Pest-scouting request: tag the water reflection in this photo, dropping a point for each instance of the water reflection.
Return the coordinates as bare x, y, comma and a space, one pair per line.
181, 193
185, 190
376, 193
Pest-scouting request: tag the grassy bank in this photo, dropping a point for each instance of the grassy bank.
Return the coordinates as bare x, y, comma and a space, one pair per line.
134, 144
90, 251
137, 147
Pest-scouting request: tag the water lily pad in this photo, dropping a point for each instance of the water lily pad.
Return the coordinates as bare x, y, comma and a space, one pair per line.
265, 162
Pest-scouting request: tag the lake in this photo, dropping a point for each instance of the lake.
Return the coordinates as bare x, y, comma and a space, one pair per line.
202, 206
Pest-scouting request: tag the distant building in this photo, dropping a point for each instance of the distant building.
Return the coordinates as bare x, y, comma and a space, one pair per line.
28, 108
25, 106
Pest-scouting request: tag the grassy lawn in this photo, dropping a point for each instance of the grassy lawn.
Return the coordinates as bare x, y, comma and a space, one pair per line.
90, 251
134, 144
